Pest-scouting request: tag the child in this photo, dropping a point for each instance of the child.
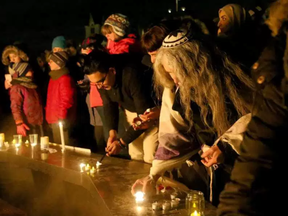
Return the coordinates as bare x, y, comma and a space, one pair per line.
25, 101
61, 96
115, 30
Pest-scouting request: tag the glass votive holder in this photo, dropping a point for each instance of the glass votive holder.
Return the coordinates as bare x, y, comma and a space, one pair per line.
33, 139
195, 203
44, 143
17, 139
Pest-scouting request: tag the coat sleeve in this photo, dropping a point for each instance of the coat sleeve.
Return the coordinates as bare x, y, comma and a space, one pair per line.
17, 99
66, 100
140, 92
111, 111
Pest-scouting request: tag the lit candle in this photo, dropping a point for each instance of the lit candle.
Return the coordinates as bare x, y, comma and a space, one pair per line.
87, 167
93, 170
195, 213
139, 196
27, 143
98, 164
2, 139
62, 136
82, 165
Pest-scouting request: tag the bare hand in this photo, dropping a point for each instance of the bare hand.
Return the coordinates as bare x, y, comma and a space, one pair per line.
80, 82
114, 148
212, 156
154, 114
7, 84
21, 129
146, 185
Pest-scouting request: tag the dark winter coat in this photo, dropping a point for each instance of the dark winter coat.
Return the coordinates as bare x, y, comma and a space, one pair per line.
257, 186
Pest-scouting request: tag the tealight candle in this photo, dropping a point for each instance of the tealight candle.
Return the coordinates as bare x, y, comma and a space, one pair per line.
156, 206
87, 167
26, 142
139, 197
166, 206
93, 170
82, 165
98, 164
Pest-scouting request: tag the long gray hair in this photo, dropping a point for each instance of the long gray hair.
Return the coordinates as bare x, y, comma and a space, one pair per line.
208, 78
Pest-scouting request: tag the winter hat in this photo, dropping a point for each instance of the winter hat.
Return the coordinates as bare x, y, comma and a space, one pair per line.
177, 38
59, 42
236, 14
119, 23
60, 58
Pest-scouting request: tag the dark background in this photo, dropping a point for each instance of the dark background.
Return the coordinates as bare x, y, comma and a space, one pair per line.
37, 22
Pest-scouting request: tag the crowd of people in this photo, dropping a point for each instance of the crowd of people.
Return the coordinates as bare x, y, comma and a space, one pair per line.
208, 111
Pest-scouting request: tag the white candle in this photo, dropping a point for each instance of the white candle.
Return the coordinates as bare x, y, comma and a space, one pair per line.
62, 136
82, 165
98, 164
2, 139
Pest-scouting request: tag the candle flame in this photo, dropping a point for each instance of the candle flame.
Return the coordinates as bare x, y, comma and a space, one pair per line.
195, 213
60, 124
139, 196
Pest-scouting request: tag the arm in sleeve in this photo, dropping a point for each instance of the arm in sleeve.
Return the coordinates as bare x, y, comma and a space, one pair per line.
140, 92
17, 100
66, 100
111, 111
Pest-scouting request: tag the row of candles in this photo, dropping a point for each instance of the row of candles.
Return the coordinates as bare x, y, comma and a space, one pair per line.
195, 203
44, 141
89, 169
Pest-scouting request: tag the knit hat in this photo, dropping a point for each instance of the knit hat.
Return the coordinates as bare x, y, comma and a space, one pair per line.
60, 58
119, 23
177, 38
59, 42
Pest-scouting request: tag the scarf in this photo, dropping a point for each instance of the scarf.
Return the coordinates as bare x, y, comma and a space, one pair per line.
95, 98
56, 74
24, 81
175, 145
19, 69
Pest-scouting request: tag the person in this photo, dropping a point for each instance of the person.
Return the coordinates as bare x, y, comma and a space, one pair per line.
239, 36
115, 29
190, 63
26, 105
61, 97
120, 83
93, 99
231, 18
255, 188
59, 44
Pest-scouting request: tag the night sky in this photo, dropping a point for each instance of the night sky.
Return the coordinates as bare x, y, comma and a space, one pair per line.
37, 22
